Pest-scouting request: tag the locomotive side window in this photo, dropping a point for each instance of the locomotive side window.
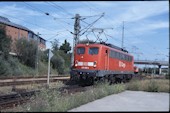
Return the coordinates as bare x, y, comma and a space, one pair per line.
112, 54
121, 56
80, 50
130, 58
93, 50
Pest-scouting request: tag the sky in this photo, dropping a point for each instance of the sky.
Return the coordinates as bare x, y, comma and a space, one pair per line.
146, 23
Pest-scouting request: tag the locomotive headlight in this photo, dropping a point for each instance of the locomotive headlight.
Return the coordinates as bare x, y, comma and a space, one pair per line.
94, 64
76, 63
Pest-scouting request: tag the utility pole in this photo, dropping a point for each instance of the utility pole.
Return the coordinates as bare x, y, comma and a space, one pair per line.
76, 34
122, 34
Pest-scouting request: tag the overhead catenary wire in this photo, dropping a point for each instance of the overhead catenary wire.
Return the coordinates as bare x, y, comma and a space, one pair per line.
54, 4
28, 22
108, 21
90, 25
92, 15
35, 25
96, 10
47, 14
58, 33
54, 18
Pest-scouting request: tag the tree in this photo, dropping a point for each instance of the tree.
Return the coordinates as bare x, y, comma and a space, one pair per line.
26, 51
65, 47
58, 63
55, 45
5, 42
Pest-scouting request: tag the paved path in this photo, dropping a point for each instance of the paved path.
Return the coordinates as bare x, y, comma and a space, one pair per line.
129, 101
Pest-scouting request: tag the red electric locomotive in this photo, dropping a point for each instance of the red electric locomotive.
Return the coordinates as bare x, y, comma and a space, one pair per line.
100, 61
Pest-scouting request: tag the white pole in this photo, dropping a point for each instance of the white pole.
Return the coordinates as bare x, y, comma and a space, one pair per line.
48, 81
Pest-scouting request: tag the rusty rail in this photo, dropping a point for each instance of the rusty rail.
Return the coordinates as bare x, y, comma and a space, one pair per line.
31, 80
11, 100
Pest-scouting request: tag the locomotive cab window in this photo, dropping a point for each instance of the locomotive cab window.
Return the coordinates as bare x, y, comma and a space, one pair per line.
80, 50
93, 50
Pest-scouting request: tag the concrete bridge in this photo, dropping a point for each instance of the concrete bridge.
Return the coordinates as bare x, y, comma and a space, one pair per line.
150, 62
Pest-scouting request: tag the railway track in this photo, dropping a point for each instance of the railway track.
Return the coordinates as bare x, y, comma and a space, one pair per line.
12, 100
29, 80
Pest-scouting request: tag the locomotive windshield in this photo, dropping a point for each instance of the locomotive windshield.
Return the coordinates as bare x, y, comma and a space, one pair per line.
93, 50
80, 50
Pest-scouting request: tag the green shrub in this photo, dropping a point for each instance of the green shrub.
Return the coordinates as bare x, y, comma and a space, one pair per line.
26, 51
58, 63
4, 67
133, 85
149, 85
12, 67
5, 42
152, 86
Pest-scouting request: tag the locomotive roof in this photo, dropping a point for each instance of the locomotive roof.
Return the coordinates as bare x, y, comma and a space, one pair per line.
113, 46
110, 45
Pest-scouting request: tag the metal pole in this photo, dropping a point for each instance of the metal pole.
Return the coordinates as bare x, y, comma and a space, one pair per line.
48, 78
37, 59
123, 34
76, 35
169, 64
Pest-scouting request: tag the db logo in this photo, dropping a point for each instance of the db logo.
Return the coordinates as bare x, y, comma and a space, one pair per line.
121, 64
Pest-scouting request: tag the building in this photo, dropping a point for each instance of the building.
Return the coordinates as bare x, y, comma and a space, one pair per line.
16, 31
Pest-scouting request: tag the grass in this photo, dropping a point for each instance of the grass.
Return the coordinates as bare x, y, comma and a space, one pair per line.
54, 101
152, 85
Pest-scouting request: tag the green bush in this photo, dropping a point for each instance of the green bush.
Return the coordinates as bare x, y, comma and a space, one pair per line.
58, 63
66, 57
149, 85
4, 67
5, 42
26, 51
152, 86
12, 67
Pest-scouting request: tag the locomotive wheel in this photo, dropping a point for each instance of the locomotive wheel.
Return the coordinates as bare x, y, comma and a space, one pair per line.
81, 82
103, 80
112, 79
90, 81
124, 79
86, 82
128, 78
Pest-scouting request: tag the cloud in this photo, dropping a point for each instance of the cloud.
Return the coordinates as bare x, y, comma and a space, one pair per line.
139, 17
146, 27
14, 10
